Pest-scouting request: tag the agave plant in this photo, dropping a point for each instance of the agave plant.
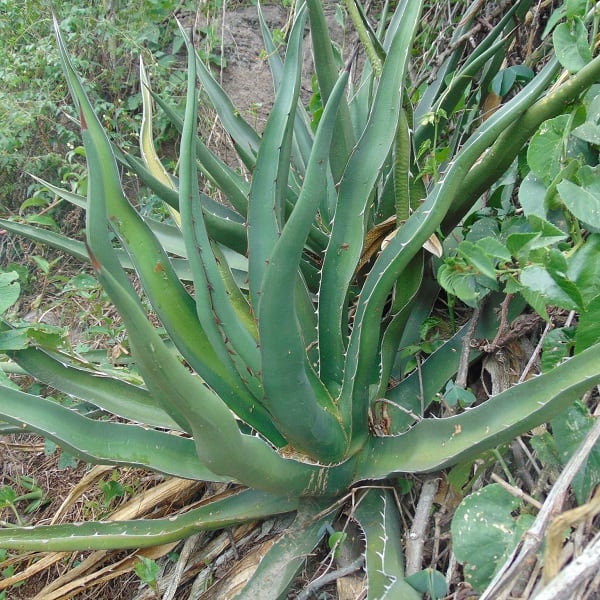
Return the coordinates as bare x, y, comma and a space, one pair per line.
281, 371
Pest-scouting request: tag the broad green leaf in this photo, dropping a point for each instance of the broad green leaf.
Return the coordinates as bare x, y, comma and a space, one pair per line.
455, 395
588, 328
584, 268
554, 18
476, 256
494, 248
503, 82
9, 290
556, 347
484, 532
463, 283
536, 300
429, 581
571, 45
545, 448
567, 286
546, 148
568, 430
584, 203
532, 192
575, 8
550, 233
13, 339
552, 259
37, 334
588, 132
520, 244
556, 293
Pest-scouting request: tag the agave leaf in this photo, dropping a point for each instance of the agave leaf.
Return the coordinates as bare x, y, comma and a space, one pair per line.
361, 174
389, 265
147, 149
246, 458
327, 74
101, 181
213, 306
173, 304
52, 239
268, 191
295, 396
288, 554
75, 199
378, 516
245, 139
232, 184
114, 395
105, 442
234, 273
184, 396
168, 235
405, 293
225, 510
302, 141
226, 226
77, 249
434, 444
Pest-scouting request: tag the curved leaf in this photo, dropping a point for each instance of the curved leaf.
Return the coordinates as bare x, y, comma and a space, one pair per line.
223, 511
433, 444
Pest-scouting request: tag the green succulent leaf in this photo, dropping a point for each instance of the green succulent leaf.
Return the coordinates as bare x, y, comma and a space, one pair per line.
380, 522
268, 192
113, 395
102, 441
284, 559
222, 511
432, 444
